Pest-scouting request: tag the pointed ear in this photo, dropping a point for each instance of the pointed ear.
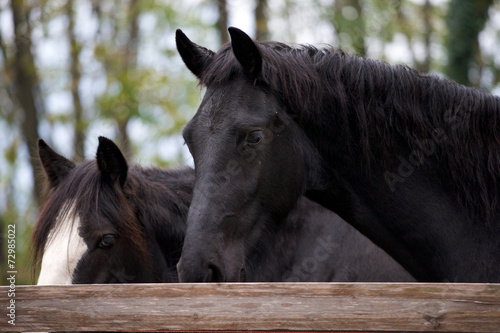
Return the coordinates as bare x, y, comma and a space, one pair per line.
55, 166
111, 162
246, 51
194, 56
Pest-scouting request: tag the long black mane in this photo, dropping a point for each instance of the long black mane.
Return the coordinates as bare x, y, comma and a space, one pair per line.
385, 111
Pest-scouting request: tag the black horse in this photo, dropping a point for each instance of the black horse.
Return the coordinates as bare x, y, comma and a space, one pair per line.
105, 222
410, 160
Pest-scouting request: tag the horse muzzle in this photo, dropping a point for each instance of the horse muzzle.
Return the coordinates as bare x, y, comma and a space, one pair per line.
211, 270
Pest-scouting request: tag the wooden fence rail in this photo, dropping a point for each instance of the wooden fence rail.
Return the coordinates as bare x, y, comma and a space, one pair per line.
412, 307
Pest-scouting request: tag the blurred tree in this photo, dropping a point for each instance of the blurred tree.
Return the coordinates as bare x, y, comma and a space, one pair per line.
349, 23
465, 20
26, 86
261, 20
419, 36
222, 24
425, 65
119, 57
140, 92
97, 72
21, 107
75, 48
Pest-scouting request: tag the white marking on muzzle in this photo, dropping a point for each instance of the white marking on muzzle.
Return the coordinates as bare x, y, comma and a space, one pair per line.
63, 251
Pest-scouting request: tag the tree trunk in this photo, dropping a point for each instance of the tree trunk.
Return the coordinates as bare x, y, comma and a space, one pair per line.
465, 20
75, 73
26, 87
261, 19
425, 66
222, 21
408, 29
128, 70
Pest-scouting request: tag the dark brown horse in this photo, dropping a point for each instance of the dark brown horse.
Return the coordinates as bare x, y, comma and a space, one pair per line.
106, 222
410, 160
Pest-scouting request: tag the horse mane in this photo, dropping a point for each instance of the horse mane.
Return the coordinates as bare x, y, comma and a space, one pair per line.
165, 196
385, 111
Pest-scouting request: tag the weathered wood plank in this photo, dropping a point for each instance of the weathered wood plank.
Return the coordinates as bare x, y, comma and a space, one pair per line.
257, 306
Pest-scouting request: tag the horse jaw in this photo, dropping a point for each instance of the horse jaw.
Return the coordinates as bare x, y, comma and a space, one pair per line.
63, 250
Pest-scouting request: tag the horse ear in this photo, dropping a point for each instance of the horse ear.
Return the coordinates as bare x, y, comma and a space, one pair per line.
194, 56
55, 166
111, 161
246, 51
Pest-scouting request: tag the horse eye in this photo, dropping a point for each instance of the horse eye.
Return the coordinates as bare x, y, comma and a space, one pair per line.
254, 138
106, 241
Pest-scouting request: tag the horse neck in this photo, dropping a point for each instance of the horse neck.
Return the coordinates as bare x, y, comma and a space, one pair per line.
414, 128
278, 248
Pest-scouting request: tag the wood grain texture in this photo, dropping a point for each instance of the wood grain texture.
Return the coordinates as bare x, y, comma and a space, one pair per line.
257, 306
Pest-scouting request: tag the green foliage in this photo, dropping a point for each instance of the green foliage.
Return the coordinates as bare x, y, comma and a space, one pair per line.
11, 152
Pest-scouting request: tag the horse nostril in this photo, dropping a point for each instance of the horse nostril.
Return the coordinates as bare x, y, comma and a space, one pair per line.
214, 274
